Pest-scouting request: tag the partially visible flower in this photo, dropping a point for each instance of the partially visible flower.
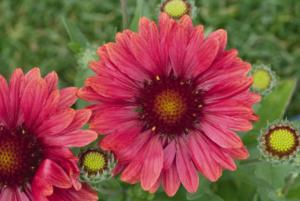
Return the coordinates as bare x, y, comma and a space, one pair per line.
264, 79
37, 128
96, 166
279, 142
170, 102
176, 8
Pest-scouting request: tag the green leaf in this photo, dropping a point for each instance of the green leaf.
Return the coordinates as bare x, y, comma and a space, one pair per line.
78, 40
137, 15
273, 174
272, 107
270, 194
204, 192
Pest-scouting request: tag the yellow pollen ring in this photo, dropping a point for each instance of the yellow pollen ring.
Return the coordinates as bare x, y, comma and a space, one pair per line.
169, 106
175, 8
93, 161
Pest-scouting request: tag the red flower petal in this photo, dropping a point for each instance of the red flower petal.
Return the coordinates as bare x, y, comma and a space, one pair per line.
68, 97
200, 152
56, 123
185, 168
153, 164
171, 182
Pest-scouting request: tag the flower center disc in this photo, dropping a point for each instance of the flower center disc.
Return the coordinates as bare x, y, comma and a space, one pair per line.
20, 155
261, 79
169, 105
176, 8
93, 161
282, 141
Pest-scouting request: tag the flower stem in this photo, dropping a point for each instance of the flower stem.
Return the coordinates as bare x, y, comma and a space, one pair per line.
124, 13
291, 180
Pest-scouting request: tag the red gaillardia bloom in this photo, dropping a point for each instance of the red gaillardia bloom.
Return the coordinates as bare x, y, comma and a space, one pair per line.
37, 128
170, 102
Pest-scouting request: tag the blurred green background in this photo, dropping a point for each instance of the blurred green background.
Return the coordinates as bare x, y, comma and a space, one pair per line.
32, 33
50, 33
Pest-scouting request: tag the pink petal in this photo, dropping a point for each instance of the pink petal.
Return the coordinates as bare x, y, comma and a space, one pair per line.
223, 137
110, 87
131, 174
191, 61
77, 138
202, 158
120, 140
155, 186
205, 55
153, 163
231, 123
223, 91
52, 81
33, 74
23, 195
131, 151
149, 38
185, 168
32, 100
81, 118
66, 159
178, 50
169, 155
4, 94
53, 174
56, 123
9, 194
86, 193
49, 174
221, 36
49, 107
68, 97
186, 22
166, 28
171, 182
15, 85
88, 94
132, 70
108, 119
218, 154
241, 153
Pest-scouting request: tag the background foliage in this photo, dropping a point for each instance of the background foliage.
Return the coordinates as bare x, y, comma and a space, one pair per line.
63, 35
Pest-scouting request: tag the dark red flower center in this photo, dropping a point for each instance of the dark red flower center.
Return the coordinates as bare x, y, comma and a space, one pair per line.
169, 105
20, 155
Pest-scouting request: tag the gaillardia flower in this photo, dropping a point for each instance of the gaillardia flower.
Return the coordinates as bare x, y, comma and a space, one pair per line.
37, 127
264, 79
279, 142
96, 166
170, 102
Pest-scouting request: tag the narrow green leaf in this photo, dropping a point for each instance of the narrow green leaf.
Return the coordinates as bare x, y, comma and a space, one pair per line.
137, 15
78, 40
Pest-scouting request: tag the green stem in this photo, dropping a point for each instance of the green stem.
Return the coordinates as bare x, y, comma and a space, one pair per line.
291, 180
124, 13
